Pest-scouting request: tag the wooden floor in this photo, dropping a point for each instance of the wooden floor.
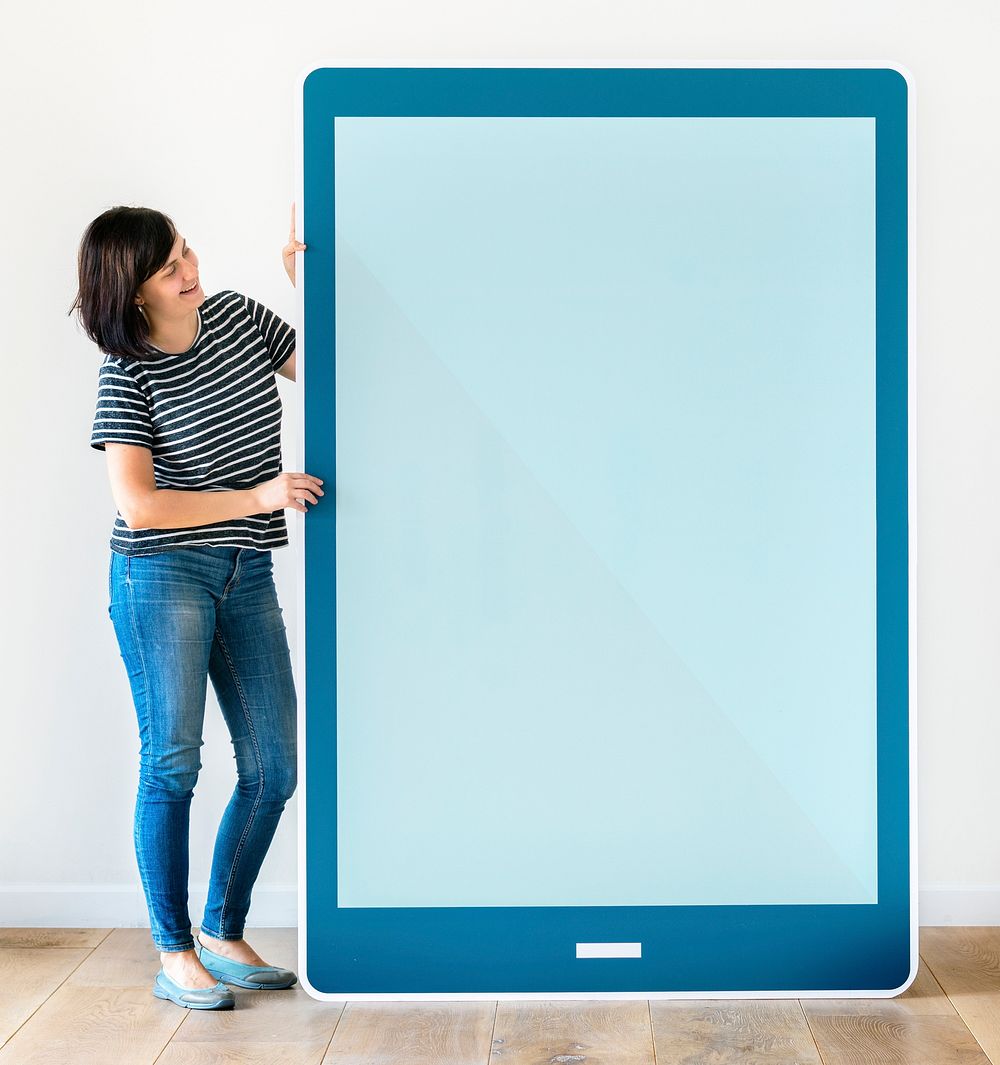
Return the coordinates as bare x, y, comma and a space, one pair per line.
82, 995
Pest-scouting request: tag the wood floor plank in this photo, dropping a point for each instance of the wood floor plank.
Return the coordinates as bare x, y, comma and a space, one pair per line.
28, 975
413, 1033
243, 1053
966, 963
919, 1027
593, 1031
887, 1035
924, 995
285, 1026
125, 958
762, 1031
90, 1025
52, 937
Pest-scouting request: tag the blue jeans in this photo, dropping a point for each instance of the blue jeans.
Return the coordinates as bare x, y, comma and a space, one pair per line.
182, 616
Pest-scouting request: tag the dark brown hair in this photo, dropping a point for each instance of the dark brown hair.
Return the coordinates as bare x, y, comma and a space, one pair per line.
120, 250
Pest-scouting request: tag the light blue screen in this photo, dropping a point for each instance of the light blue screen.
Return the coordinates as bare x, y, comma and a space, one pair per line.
605, 433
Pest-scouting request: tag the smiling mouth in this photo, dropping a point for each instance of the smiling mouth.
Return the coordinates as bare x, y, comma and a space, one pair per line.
185, 291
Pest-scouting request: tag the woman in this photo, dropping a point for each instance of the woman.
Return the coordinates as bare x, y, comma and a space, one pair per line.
189, 416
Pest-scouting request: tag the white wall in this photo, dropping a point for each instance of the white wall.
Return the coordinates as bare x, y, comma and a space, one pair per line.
189, 109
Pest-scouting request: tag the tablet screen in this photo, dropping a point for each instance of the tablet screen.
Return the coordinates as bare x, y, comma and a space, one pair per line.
605, 527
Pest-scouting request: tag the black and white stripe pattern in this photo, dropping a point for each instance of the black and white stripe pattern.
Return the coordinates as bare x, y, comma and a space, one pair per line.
211, 417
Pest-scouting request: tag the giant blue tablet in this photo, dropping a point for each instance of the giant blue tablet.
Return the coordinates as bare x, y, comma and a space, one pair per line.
604, 668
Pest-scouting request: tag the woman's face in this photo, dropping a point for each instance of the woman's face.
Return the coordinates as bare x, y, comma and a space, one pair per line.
174, 290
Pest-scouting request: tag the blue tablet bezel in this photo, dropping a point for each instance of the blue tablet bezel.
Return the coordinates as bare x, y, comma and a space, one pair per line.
496, 952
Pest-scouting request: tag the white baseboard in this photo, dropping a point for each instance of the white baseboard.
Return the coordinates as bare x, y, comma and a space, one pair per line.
943, 905
124, 906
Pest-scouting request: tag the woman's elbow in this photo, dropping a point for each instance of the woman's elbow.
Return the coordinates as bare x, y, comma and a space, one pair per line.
135, 512
131, 518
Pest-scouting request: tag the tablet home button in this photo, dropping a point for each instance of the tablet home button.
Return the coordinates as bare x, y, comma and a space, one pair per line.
609, 950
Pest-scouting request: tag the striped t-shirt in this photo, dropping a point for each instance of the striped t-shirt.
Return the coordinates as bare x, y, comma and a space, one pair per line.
211, 417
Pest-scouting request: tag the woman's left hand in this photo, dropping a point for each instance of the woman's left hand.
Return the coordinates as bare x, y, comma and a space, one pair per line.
289, 250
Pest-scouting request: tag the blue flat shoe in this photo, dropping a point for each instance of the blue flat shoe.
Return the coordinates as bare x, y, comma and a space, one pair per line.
219, 997
256, 977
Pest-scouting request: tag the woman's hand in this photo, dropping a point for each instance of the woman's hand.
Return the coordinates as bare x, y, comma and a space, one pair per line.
289, 250
287, 490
